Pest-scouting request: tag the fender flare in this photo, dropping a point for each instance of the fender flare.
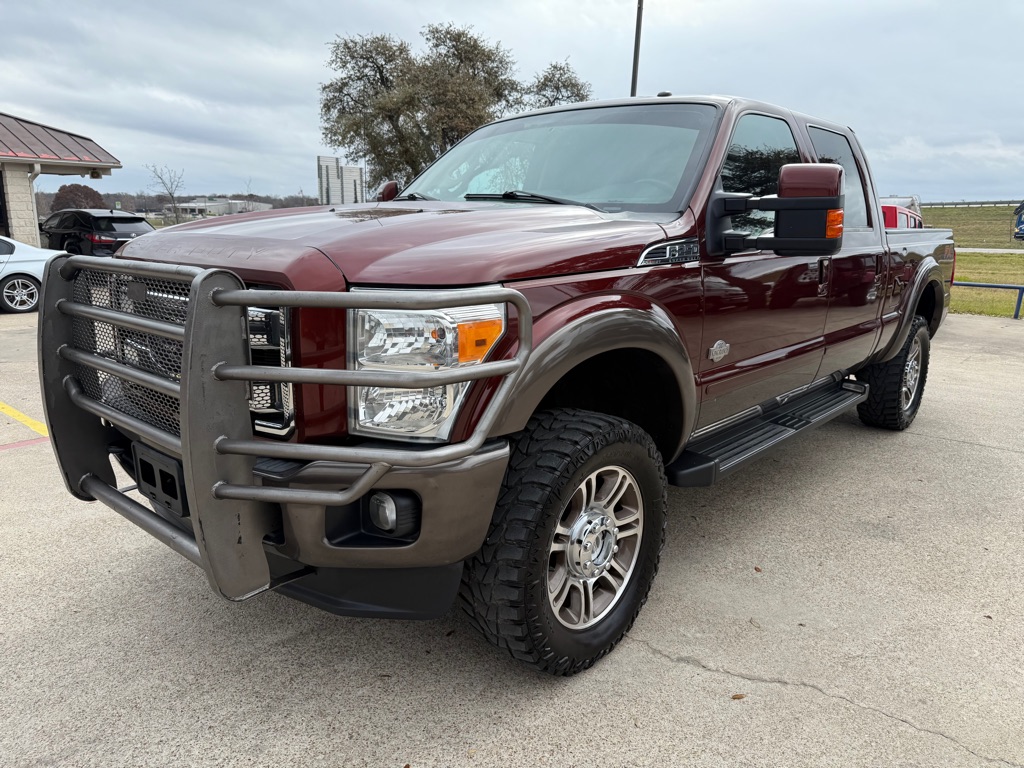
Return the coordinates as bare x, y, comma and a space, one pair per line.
928, 272
578, 333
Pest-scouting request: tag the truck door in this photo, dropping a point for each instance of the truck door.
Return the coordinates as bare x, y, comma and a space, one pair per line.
764, 314
853, 279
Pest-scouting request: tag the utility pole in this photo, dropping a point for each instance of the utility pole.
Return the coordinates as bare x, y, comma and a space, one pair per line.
636, 44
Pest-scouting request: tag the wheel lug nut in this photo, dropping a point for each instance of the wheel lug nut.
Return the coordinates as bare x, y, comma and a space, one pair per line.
615, 531
588, 564
587, 547
615, 549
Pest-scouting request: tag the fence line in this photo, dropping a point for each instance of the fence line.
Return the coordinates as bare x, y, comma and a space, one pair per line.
1018, 288
971, 204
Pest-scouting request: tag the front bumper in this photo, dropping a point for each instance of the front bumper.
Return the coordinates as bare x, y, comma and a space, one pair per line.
258, 508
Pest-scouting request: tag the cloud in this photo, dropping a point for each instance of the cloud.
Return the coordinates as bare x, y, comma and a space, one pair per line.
228, 91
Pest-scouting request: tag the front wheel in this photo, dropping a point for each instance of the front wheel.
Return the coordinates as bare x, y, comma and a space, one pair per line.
574, 543
897, 386
19, 294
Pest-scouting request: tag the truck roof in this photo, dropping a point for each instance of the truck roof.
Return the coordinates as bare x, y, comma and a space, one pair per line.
736, 103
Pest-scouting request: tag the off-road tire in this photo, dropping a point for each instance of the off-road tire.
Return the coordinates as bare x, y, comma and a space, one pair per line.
505, 585
886, 405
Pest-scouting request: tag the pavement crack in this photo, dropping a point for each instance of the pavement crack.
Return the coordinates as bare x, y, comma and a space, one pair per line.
947, 439
693, 661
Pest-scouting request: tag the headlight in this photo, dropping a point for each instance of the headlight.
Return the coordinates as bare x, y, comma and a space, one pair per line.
429, 340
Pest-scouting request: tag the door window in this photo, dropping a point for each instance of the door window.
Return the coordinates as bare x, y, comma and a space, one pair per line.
832, 147
760, 146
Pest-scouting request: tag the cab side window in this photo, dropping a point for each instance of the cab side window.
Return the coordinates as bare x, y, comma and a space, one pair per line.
760, 146
834, 148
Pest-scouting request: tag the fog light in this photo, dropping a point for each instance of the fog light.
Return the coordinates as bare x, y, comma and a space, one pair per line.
384, 512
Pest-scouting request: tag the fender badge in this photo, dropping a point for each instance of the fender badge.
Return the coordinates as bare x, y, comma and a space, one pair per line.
719, 351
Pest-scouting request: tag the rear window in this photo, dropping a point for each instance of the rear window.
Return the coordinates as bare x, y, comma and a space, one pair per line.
124, 226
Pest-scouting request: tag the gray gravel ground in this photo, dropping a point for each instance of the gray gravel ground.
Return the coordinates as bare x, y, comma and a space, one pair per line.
883, 628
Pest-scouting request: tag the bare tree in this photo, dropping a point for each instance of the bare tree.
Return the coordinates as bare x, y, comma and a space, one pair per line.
170, 182
249, 201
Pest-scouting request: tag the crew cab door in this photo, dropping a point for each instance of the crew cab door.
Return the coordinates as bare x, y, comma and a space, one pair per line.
852, 279
764, 314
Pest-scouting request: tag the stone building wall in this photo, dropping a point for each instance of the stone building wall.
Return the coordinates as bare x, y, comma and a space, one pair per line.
20, 199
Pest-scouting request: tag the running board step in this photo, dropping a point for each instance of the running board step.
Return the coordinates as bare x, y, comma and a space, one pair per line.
707, 460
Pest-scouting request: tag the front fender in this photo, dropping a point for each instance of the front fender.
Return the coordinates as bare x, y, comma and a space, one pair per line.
579, 331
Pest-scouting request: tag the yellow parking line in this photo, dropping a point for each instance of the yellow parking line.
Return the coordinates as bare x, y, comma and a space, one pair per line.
28, 421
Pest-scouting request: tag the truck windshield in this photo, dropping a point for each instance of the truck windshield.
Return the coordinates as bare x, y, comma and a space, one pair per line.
633, 158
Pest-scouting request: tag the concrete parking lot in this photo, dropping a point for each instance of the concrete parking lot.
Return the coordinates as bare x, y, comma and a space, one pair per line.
856, 599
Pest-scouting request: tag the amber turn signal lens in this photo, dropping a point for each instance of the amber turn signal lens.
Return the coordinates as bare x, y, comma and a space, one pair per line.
834, 223
476, 339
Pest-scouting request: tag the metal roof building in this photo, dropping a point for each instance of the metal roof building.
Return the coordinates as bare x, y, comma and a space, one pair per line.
28, 149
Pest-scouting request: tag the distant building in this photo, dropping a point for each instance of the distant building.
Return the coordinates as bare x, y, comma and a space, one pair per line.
218, 206
339, 184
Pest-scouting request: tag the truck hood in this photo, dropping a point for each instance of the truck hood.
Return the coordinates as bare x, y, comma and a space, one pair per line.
411, 243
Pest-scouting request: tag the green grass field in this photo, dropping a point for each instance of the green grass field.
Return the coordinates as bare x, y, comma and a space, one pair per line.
1005, 268
990, 227
976, 227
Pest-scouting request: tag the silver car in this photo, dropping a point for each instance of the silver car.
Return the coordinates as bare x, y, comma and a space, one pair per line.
21, 274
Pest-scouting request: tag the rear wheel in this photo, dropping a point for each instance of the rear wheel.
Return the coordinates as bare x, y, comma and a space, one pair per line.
897, 386
19, 293
574, 544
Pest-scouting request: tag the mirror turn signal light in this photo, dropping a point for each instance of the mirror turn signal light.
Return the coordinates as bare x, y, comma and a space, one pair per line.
834, 223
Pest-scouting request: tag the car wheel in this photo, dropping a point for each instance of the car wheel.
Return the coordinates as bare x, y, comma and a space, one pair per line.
574, 542
19, 294
895, 388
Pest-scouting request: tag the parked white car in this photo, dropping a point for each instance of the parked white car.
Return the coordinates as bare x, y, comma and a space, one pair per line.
21, 274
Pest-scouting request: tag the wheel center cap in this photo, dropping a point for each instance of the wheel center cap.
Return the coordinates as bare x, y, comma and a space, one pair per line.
591, 544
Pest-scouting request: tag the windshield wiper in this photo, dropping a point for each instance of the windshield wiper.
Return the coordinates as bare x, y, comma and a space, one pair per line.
415, 196
518, 194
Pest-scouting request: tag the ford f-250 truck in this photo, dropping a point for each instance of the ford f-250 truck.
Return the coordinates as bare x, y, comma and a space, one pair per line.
482, 386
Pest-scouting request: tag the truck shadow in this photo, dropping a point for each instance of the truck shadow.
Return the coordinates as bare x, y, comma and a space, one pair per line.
277, 644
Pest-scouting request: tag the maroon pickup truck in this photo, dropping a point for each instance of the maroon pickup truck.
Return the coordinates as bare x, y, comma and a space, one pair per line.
480, 388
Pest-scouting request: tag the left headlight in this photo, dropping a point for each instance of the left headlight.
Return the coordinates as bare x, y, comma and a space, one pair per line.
428, 340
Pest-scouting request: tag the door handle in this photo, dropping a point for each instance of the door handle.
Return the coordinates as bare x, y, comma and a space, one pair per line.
823, 276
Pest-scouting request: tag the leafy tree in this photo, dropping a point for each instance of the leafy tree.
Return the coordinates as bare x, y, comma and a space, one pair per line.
399, 110
76, 196
558, 84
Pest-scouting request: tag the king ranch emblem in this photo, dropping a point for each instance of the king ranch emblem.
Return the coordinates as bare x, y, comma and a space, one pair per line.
718, 351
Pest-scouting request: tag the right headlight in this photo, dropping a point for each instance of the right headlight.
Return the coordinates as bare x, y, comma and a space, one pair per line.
427, 340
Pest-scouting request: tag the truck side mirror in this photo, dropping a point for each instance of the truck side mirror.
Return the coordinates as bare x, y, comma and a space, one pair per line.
388, 191
808, 214
815, 190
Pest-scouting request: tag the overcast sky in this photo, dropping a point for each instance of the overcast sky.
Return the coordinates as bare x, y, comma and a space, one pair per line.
229, 91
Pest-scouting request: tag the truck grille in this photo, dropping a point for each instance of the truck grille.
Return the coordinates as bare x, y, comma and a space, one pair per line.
270, 404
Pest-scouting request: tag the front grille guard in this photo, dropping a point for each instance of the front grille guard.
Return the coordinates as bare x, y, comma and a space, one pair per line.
231, 513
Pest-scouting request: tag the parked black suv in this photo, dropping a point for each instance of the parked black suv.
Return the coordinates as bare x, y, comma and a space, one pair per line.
91, 231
